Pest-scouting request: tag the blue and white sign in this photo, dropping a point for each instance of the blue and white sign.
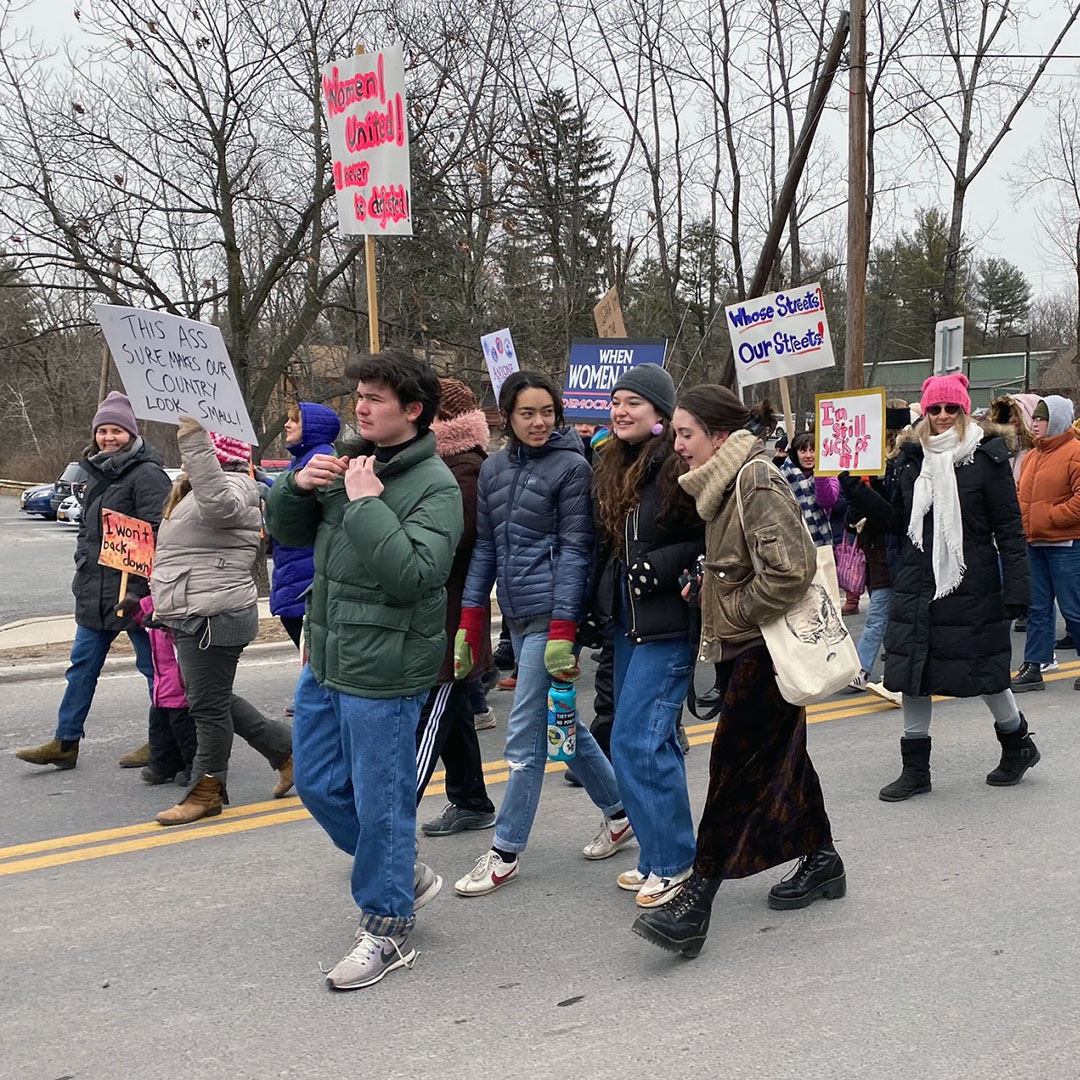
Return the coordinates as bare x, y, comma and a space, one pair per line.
781, 334
500, 357
595, 367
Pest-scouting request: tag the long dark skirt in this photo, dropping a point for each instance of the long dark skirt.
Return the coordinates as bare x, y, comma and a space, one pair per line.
764, 805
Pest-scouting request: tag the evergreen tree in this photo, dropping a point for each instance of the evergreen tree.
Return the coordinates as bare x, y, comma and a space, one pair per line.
1001, 299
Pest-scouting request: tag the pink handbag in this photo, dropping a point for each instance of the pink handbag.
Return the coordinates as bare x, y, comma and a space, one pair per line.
851, 565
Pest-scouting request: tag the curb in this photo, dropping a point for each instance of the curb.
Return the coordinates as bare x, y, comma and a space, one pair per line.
113, 665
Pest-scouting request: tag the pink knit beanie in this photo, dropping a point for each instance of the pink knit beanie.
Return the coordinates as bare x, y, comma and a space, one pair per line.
230, 451
946, 390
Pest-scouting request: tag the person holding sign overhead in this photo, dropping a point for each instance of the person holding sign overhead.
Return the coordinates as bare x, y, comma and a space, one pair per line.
204, 592
125, 475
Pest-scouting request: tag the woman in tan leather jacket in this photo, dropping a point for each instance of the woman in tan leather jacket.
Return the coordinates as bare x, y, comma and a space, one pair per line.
764, 804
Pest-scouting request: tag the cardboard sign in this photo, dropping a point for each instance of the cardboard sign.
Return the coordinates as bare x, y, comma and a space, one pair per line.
364, 99
595, 367
173, 367
127, 544
779, 335
500, 357
608, 316
849, 429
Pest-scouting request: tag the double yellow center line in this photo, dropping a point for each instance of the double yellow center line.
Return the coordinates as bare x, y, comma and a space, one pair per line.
82, 847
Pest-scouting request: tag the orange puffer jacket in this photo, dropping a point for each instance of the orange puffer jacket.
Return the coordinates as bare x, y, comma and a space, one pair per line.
1050, 489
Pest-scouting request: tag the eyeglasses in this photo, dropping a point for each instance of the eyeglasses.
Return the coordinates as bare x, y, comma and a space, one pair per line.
952, 410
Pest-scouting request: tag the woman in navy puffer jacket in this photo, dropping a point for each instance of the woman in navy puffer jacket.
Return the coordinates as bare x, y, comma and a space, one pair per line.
310, 429
534, 542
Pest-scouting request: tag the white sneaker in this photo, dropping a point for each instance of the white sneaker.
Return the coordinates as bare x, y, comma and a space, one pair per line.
484, 721
1052, 666
612, 836
658, 891
487, 875
889, 695
631, 880
370, 958
860, 681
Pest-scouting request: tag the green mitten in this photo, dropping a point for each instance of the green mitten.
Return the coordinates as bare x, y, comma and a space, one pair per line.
559, 659
463, 657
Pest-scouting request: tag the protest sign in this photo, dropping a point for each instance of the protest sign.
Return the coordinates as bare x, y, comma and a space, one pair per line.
608, 315
500, 357
127, 543
595, 367
781, 334
173, 367
364, 98
850, 432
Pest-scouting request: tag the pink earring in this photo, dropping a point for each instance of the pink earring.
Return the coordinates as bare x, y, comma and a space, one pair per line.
658, 429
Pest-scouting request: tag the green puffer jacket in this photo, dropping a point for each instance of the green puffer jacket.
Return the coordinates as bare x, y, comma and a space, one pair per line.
377, 607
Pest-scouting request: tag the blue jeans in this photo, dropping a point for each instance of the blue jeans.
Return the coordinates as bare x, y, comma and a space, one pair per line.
1055, 574
877, 622
88, 652
354, 763
651, 681
526, 751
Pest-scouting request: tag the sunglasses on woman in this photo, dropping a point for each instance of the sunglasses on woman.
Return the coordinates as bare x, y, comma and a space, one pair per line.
951, 410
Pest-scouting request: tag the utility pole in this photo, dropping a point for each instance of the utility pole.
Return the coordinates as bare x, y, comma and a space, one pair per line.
103, 378
855, 340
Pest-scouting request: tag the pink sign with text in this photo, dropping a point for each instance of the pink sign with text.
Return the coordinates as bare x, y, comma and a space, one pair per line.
850, 432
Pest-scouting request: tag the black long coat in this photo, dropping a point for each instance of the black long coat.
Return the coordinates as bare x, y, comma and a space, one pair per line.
958, 645
138, 489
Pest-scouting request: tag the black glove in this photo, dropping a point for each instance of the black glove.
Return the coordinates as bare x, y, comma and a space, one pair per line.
1016, 611
849, 484
590, 631
641, 577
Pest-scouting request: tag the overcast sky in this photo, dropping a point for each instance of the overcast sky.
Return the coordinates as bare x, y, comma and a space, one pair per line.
1000, 223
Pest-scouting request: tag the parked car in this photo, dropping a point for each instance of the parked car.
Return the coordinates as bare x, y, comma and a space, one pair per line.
38, 500
70, 511
74, 474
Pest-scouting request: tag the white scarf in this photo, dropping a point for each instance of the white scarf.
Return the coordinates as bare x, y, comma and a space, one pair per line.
936, 487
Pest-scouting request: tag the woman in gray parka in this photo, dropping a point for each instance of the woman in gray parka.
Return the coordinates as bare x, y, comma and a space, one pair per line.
203, 590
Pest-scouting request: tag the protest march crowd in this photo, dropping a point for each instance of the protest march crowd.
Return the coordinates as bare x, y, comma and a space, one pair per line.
669, 537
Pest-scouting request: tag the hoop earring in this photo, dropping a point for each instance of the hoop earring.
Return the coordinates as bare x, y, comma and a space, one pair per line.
658, 429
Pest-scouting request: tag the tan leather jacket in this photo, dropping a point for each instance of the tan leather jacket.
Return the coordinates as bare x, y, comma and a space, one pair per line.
736, 600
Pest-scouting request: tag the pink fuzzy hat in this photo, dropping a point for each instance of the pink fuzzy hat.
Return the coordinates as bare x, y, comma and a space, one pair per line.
230, 451
946, 390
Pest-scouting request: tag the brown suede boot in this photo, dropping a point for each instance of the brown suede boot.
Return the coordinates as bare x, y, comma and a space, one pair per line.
285, 779
204, 800
137, 758
50, 754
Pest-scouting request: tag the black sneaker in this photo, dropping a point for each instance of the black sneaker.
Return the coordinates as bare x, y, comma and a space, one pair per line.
455, 819
1065, 643
504, 656
1029, 677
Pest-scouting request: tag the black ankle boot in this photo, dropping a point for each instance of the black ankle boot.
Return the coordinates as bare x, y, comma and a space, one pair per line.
818, 875
915, 777
681, 926
1018, 754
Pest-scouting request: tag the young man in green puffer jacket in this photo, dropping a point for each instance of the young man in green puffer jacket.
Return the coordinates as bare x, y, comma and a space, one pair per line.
385, 519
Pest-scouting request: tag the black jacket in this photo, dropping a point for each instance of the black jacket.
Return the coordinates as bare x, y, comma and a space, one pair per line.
670, 548
137, 487
958, 645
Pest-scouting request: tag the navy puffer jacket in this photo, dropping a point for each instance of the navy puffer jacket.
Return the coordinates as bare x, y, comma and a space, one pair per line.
534, 530
294, 568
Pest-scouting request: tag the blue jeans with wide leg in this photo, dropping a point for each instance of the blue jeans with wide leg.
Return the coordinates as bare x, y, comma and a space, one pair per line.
1055, 575
526, 751
651, 681
877, 622
354, 763
88, 652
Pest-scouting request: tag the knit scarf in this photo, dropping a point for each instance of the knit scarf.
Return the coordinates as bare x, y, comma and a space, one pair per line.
817, 521
936, 488
708, 483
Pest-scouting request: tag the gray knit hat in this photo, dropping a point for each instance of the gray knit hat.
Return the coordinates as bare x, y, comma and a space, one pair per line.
115, 409
653, 383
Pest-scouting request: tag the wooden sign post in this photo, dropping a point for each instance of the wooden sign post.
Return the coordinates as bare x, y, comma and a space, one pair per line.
369, 272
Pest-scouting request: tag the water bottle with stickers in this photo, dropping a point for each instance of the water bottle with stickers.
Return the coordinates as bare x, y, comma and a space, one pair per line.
562, 721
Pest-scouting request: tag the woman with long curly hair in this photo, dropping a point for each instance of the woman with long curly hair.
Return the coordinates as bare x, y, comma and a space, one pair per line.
653, 534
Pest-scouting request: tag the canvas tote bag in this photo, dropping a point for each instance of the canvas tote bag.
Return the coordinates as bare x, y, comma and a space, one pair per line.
811, 649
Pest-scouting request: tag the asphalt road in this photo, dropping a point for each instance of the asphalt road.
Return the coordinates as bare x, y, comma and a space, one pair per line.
193, 954
36, 565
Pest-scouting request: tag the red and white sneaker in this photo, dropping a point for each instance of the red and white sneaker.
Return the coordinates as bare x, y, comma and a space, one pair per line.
613, 835
487, 875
